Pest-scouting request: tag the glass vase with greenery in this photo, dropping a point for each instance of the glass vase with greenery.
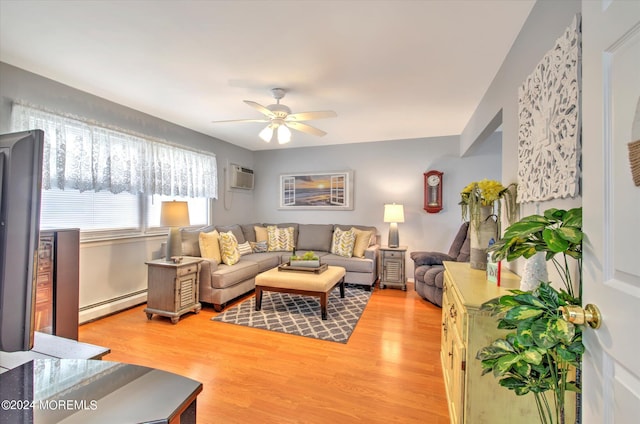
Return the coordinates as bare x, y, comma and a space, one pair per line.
543, 351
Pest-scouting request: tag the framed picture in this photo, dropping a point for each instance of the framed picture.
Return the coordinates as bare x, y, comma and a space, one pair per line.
318, 190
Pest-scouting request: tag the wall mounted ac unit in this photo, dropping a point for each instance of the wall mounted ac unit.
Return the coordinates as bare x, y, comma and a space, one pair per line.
241, 177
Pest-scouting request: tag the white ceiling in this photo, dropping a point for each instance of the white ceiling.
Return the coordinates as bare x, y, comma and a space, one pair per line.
390, 69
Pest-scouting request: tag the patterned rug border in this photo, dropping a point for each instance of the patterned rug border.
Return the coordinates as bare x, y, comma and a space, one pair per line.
300, 315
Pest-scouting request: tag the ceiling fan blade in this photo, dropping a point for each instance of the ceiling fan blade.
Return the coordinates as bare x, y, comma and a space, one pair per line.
260, 108
241, 120
308, 129
307, 116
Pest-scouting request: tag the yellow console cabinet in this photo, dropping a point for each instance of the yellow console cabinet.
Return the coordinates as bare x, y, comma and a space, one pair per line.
474, 398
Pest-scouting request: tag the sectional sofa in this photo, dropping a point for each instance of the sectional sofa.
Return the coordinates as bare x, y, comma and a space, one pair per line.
219, 283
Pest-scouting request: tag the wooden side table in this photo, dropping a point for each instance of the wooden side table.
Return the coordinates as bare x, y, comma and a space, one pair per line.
173, 288
392, 267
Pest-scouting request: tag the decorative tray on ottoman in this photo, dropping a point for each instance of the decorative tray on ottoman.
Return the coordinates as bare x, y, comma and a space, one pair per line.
316, 270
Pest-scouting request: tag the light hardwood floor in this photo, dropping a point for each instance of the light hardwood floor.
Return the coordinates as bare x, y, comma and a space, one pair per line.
388, 372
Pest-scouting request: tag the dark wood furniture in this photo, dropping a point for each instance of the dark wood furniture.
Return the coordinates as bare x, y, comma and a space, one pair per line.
57, 290
96, 392
173, 288
301, 282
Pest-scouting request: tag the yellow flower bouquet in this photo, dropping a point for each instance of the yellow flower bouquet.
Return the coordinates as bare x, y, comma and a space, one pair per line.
486, 193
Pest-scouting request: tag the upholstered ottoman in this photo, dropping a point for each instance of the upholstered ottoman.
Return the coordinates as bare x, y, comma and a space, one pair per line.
301, 282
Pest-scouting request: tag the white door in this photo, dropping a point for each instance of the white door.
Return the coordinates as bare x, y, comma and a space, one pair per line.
611, 210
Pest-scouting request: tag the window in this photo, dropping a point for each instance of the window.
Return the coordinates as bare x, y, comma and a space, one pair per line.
89, 211
104, 213
289, 191
338, 196
101, 179
198, 209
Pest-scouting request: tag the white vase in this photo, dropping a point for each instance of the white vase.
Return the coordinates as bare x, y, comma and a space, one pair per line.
481, 236
535, 271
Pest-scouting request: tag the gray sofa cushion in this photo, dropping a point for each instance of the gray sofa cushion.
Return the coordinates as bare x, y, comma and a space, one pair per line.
226, 276
349, 264
234, 228
265, 261
190, 240
316, 237
249, 232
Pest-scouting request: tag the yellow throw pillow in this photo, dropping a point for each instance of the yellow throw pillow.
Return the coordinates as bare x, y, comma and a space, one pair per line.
261, 233
280, 239
210, 245
362, 241
343, 242
229, 248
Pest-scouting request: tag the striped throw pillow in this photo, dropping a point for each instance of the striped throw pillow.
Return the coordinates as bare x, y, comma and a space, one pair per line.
259, 246
244, 248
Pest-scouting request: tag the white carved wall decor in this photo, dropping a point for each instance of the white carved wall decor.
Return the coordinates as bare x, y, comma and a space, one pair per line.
549, 123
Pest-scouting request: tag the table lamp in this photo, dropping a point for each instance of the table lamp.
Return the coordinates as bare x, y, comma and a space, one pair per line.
174, 215
393, 214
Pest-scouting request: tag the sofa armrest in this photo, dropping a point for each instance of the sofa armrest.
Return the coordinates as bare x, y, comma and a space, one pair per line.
430, 258
371, 252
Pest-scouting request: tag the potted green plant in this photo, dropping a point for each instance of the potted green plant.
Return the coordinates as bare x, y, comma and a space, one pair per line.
556, 233
542, 353
308, 260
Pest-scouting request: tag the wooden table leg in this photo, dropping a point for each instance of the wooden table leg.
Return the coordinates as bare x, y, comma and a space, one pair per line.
323, 305
342, 288
258, 298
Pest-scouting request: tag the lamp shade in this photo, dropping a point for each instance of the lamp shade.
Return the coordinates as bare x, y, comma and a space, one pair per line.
266, 133
174, 214
284, 134
393, 213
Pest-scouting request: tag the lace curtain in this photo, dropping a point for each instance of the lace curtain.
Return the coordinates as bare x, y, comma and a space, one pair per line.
83, 156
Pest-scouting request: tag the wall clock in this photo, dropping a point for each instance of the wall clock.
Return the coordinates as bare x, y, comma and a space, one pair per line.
433, 191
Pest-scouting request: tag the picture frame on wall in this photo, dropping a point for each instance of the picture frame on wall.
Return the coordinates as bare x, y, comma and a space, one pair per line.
317, 191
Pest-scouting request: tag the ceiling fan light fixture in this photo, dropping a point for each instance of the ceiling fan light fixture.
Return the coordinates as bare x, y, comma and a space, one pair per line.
280, 121
284, 134
267, 133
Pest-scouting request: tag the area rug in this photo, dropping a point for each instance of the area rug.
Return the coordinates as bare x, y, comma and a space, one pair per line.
300, 315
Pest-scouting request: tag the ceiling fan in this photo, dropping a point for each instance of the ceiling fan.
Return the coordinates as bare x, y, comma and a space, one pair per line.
280, 119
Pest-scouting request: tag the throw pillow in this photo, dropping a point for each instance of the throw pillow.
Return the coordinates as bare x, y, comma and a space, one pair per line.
343, 242
279, 239
259, 246
261, 233
362, 241
244, 248
209, 245
229, 248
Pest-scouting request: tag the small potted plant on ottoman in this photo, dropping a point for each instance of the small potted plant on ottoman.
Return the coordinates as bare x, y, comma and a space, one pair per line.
308, 260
